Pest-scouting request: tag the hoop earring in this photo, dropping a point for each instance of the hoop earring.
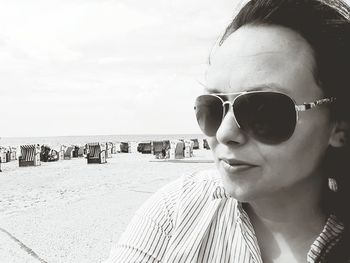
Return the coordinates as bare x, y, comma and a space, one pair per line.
332, 184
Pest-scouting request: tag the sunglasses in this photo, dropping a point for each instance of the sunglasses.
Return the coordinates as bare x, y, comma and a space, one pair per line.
267, 116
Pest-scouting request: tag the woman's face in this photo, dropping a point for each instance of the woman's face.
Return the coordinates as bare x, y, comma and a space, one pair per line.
268, 58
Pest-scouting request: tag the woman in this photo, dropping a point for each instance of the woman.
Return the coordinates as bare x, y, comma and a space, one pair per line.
276, 114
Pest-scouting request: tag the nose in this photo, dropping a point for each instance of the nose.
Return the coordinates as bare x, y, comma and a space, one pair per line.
229, 132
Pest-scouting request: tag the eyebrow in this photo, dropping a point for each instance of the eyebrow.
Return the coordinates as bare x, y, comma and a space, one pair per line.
269, 86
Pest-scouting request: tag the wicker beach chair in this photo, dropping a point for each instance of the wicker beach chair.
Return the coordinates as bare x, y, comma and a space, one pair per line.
48, 155
8, 154
13, 153
160, 148
144, 147
124, 147
205, 144
44, 153
189, 145
157, 147
75, 151
68, 154
195, 144
30, 155
96, 153
81, 151
3, 155
176, 150
109, 146
114, 148
53, 156
61, 152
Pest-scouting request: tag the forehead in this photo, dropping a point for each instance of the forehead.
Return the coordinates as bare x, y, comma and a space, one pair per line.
263, 56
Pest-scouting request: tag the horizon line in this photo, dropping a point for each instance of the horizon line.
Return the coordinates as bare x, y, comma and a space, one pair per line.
127, 134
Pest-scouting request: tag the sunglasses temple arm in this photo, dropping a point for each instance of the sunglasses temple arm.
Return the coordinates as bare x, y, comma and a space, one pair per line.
307, 106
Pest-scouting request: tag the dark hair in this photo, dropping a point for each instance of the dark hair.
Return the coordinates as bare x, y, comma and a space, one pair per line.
325, 25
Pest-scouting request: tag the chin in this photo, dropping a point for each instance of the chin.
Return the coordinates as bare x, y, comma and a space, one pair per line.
242, 193
242, 189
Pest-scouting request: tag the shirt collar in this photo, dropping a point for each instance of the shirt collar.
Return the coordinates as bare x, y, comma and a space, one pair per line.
329, 237
219, 192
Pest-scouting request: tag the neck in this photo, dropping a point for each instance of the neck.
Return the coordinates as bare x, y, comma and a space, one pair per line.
299, 205
287, 222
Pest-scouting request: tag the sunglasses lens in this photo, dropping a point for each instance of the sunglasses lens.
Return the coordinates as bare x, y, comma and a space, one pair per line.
269, 117
209, 112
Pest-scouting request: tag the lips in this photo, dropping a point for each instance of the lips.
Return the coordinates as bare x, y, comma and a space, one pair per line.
236, 162
235, 165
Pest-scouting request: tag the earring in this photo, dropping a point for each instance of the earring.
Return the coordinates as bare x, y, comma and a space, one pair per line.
332, 184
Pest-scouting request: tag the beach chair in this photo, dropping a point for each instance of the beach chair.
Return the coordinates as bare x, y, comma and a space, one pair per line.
124, 147
53, 156
205, 144
176, 150
61, 152
144, 147
68, 154
44, 153
96, 153
157, 147
8, 155
3, 157
30, 155
160, 148
114, 148
48, 155
13, 153
109, 149
81, 151
195, 144
188, 148
166, 147
75, 151
179, 150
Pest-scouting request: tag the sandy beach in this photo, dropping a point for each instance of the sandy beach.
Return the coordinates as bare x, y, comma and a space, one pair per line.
69, 211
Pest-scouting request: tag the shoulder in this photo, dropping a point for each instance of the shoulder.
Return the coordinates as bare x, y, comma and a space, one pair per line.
186, 188
206, 179
197, 183
204, 176
193, 183
154, 224
187, 191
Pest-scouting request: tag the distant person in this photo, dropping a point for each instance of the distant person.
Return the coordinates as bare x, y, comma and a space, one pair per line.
276, 114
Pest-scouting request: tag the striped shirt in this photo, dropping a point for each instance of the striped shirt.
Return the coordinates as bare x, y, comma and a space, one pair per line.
194, 220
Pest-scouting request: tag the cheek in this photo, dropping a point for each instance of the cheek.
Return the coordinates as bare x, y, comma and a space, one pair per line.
302, 154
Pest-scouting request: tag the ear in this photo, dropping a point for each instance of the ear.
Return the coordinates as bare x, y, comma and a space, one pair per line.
339, 135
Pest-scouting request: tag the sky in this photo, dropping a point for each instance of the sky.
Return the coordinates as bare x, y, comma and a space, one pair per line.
101, 67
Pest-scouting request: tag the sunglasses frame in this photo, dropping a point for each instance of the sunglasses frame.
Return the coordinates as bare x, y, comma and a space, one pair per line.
298, 107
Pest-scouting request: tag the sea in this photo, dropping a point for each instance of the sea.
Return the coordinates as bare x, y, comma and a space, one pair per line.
57, 141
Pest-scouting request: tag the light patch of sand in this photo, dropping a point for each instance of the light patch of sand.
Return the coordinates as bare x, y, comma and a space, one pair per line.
69, 211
